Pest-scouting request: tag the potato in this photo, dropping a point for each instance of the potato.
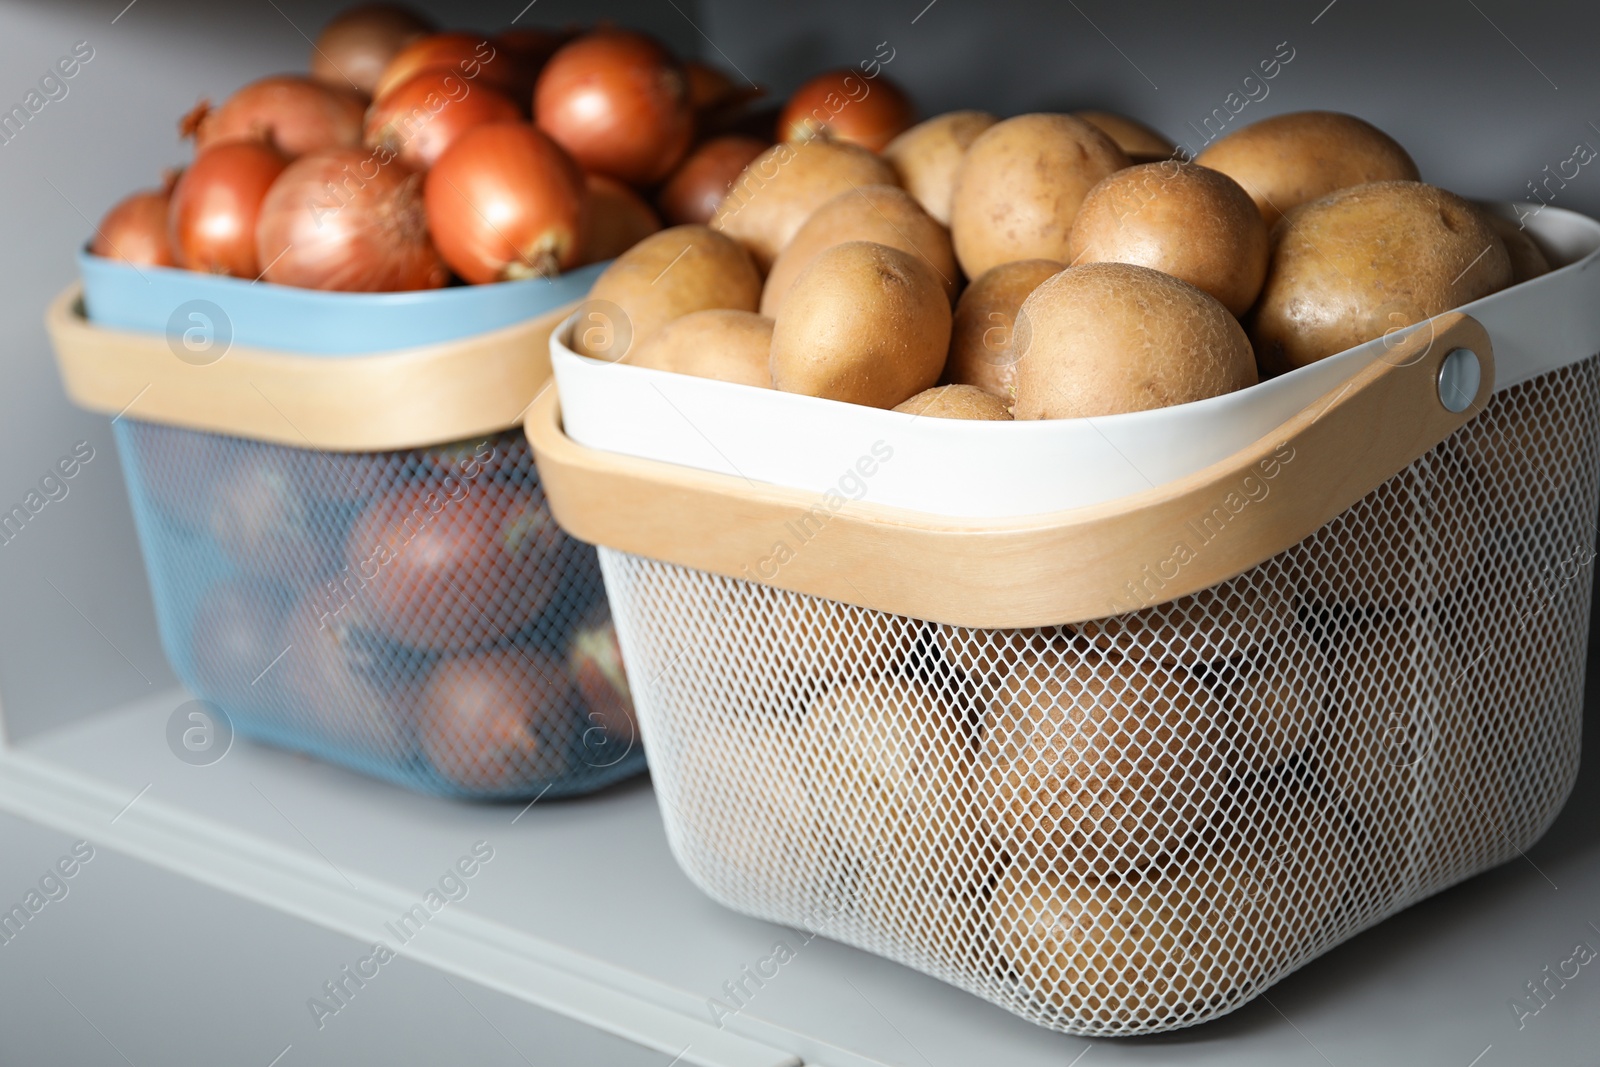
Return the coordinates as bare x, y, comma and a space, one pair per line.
982, 334
618, 218
1363, 261
664, 277
1020, 185
877, 751
1159, 947
1527, 258
1112, 337
1099, 763
1293, 159
1143, 144
780, 189
730, 346
927, 156
864, 323
885, 214
957, 402
1185, 220
888, 764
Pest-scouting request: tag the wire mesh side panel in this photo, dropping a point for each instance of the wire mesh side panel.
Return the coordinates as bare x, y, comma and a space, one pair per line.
414, 615
1139, 823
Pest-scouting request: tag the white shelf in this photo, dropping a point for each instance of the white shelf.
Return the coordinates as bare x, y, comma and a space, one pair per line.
582, 911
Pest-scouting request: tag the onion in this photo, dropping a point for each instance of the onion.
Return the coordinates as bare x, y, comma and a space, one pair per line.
418, 119
847, 106
618, 219
212, 219
351, 220
353, 49
619, 102
506, 202
472, 55
293, 113
135, 229
697, 189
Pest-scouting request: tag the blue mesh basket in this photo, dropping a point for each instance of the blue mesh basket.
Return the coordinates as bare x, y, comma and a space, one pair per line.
416, 615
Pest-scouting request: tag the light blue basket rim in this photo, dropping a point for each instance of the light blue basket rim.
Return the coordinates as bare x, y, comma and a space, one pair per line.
313, 321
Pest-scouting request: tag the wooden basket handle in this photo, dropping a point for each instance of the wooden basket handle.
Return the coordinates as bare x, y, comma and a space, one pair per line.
404, 399
1038, 570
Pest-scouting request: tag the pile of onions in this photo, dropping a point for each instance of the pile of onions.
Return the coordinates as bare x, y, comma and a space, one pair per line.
695, 192
339, 219
293, 114
506, 202
423, 115
135, 229
216, 204
358, 44
619, 103
407, 157
845, 105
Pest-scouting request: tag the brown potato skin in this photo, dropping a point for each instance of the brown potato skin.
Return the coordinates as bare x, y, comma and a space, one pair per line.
1293, 159
884, 214
1151, 948
865, 324
719, 343
927, 156
1107, 338
1183, 219
782, 186
1366, 260
1020, 185
957, 402
887, 744
1099, 763
981, 349
1527, 258
1142, 143
670, 274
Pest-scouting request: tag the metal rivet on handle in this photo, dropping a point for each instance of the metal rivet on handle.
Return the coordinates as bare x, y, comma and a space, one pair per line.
1459, 376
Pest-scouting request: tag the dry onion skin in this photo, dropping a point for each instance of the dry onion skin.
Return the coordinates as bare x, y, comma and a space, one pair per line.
354, 48
506, 203
216, 204
619, 103
846, 105
337, 220
292, 113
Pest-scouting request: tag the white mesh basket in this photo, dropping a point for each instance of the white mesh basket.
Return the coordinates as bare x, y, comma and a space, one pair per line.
1358, 693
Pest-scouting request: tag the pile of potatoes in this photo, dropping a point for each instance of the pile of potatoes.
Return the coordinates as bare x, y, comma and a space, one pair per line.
1054, 265
1133, 818
1128, 822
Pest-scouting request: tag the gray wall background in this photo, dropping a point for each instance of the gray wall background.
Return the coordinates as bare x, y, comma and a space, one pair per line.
1485, 94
